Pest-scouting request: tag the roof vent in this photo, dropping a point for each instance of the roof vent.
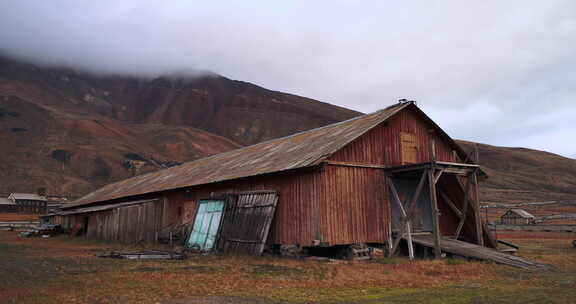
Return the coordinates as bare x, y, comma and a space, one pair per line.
404, 100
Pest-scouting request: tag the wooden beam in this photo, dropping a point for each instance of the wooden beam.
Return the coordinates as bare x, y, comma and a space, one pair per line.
409, 239
450, 203
438, 175
464, 208
463, 165
435, 214
412, 205
479, 234
405, 227
355, 165
396, 197
458, 171
399, 237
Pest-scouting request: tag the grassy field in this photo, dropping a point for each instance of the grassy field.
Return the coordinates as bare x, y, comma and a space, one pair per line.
63, 270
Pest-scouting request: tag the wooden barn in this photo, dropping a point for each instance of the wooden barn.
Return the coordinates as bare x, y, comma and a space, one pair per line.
517, 217
388, 178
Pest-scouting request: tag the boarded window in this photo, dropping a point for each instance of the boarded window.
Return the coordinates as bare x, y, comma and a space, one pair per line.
408, 148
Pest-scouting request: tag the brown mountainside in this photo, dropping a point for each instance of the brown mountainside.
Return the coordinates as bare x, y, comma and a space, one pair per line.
72, 132
520, 174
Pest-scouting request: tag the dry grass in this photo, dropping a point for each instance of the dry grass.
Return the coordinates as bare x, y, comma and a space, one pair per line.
62, 270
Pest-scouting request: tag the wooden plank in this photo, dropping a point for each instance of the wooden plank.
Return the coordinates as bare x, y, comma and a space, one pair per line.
464, 209
438, 175
435, 214
413, 201
450, 203
354, 165
409, 239
474, 251
396, 198
463, 165
479, 232
246, 222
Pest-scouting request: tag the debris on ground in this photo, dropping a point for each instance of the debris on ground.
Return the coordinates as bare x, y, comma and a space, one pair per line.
147, 254
44, 231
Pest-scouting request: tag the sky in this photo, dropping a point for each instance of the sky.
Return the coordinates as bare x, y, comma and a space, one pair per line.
495, 72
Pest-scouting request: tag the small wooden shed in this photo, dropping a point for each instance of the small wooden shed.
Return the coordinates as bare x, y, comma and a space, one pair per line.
375, 179
517, 217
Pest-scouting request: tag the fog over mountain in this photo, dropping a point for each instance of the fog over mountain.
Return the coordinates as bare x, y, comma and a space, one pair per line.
495, 72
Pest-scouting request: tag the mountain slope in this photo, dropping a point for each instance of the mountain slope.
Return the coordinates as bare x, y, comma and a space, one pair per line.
240, 111
520, 174
72, 132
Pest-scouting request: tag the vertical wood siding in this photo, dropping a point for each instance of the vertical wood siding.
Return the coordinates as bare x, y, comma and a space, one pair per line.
353, 205
129, 224
381, 145
297, 213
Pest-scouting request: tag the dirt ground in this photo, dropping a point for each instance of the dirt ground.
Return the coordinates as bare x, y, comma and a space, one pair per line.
63, 270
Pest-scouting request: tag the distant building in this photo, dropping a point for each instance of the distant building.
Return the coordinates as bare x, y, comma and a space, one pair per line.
7, 206
517, 217
29, 202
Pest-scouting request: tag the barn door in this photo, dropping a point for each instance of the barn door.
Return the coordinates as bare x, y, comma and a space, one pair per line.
205, 230
247, 222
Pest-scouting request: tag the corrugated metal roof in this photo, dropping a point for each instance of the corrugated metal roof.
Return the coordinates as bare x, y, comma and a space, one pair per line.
27, 196
99, 208
299, 150
522, 213
6, 201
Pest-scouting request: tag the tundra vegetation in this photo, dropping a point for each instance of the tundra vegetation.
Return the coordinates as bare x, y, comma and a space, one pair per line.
65, 270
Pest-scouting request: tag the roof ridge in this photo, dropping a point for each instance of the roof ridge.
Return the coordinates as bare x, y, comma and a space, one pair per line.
298, 150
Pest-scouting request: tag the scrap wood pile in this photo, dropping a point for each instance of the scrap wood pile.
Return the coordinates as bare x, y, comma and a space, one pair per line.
44, 230
145, 254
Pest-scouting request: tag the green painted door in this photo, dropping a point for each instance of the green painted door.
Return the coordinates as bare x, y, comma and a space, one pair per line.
206, 224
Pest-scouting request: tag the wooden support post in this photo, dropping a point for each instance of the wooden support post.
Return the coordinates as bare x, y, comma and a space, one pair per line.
435, 213
413, 201
479, 232
390, 236
438, 175
405, 227
450, 203
464, 208
409, 239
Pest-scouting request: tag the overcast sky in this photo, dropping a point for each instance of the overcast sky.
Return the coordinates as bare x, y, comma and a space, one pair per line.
496, 72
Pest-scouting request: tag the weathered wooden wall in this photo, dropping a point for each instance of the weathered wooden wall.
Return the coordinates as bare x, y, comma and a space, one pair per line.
129, 224
353, 205
381, 145
297, 210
